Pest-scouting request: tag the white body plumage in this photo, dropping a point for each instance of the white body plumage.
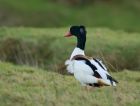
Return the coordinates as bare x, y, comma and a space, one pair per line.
83, 73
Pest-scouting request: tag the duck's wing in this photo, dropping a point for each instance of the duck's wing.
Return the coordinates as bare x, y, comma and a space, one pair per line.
102, 70
90, 67
98, 68
100, 63
85, 74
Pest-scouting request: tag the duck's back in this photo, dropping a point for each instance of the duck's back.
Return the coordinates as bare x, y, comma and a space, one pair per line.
101, 69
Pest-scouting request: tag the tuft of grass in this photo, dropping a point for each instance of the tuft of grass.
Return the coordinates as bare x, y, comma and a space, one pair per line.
22, 85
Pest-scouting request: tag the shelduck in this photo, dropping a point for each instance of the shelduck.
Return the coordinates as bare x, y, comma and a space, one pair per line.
87, 70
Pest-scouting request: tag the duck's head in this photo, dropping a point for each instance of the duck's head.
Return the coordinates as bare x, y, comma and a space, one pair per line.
78, 31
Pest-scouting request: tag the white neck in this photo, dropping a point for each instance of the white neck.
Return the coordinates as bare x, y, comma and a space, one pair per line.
77, 51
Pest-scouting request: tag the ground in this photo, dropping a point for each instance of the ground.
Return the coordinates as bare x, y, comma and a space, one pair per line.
27, 86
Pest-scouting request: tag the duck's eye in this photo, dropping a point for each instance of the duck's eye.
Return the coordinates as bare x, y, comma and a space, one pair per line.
81, 30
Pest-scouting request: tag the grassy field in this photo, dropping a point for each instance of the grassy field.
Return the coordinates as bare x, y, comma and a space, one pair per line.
27, 86
48, 48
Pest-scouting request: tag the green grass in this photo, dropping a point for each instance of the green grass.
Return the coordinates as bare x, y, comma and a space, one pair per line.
43, 13
27, 86
47, 47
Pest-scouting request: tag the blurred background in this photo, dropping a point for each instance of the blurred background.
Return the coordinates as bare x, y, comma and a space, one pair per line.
31, 30
115, 14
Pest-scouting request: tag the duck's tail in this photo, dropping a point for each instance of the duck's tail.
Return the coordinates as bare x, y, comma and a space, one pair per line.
112, 80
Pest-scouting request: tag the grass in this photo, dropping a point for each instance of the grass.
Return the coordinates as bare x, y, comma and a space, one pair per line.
47, 47
42, 13
27, 86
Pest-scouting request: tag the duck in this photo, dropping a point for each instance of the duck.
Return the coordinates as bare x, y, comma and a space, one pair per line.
87, 70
